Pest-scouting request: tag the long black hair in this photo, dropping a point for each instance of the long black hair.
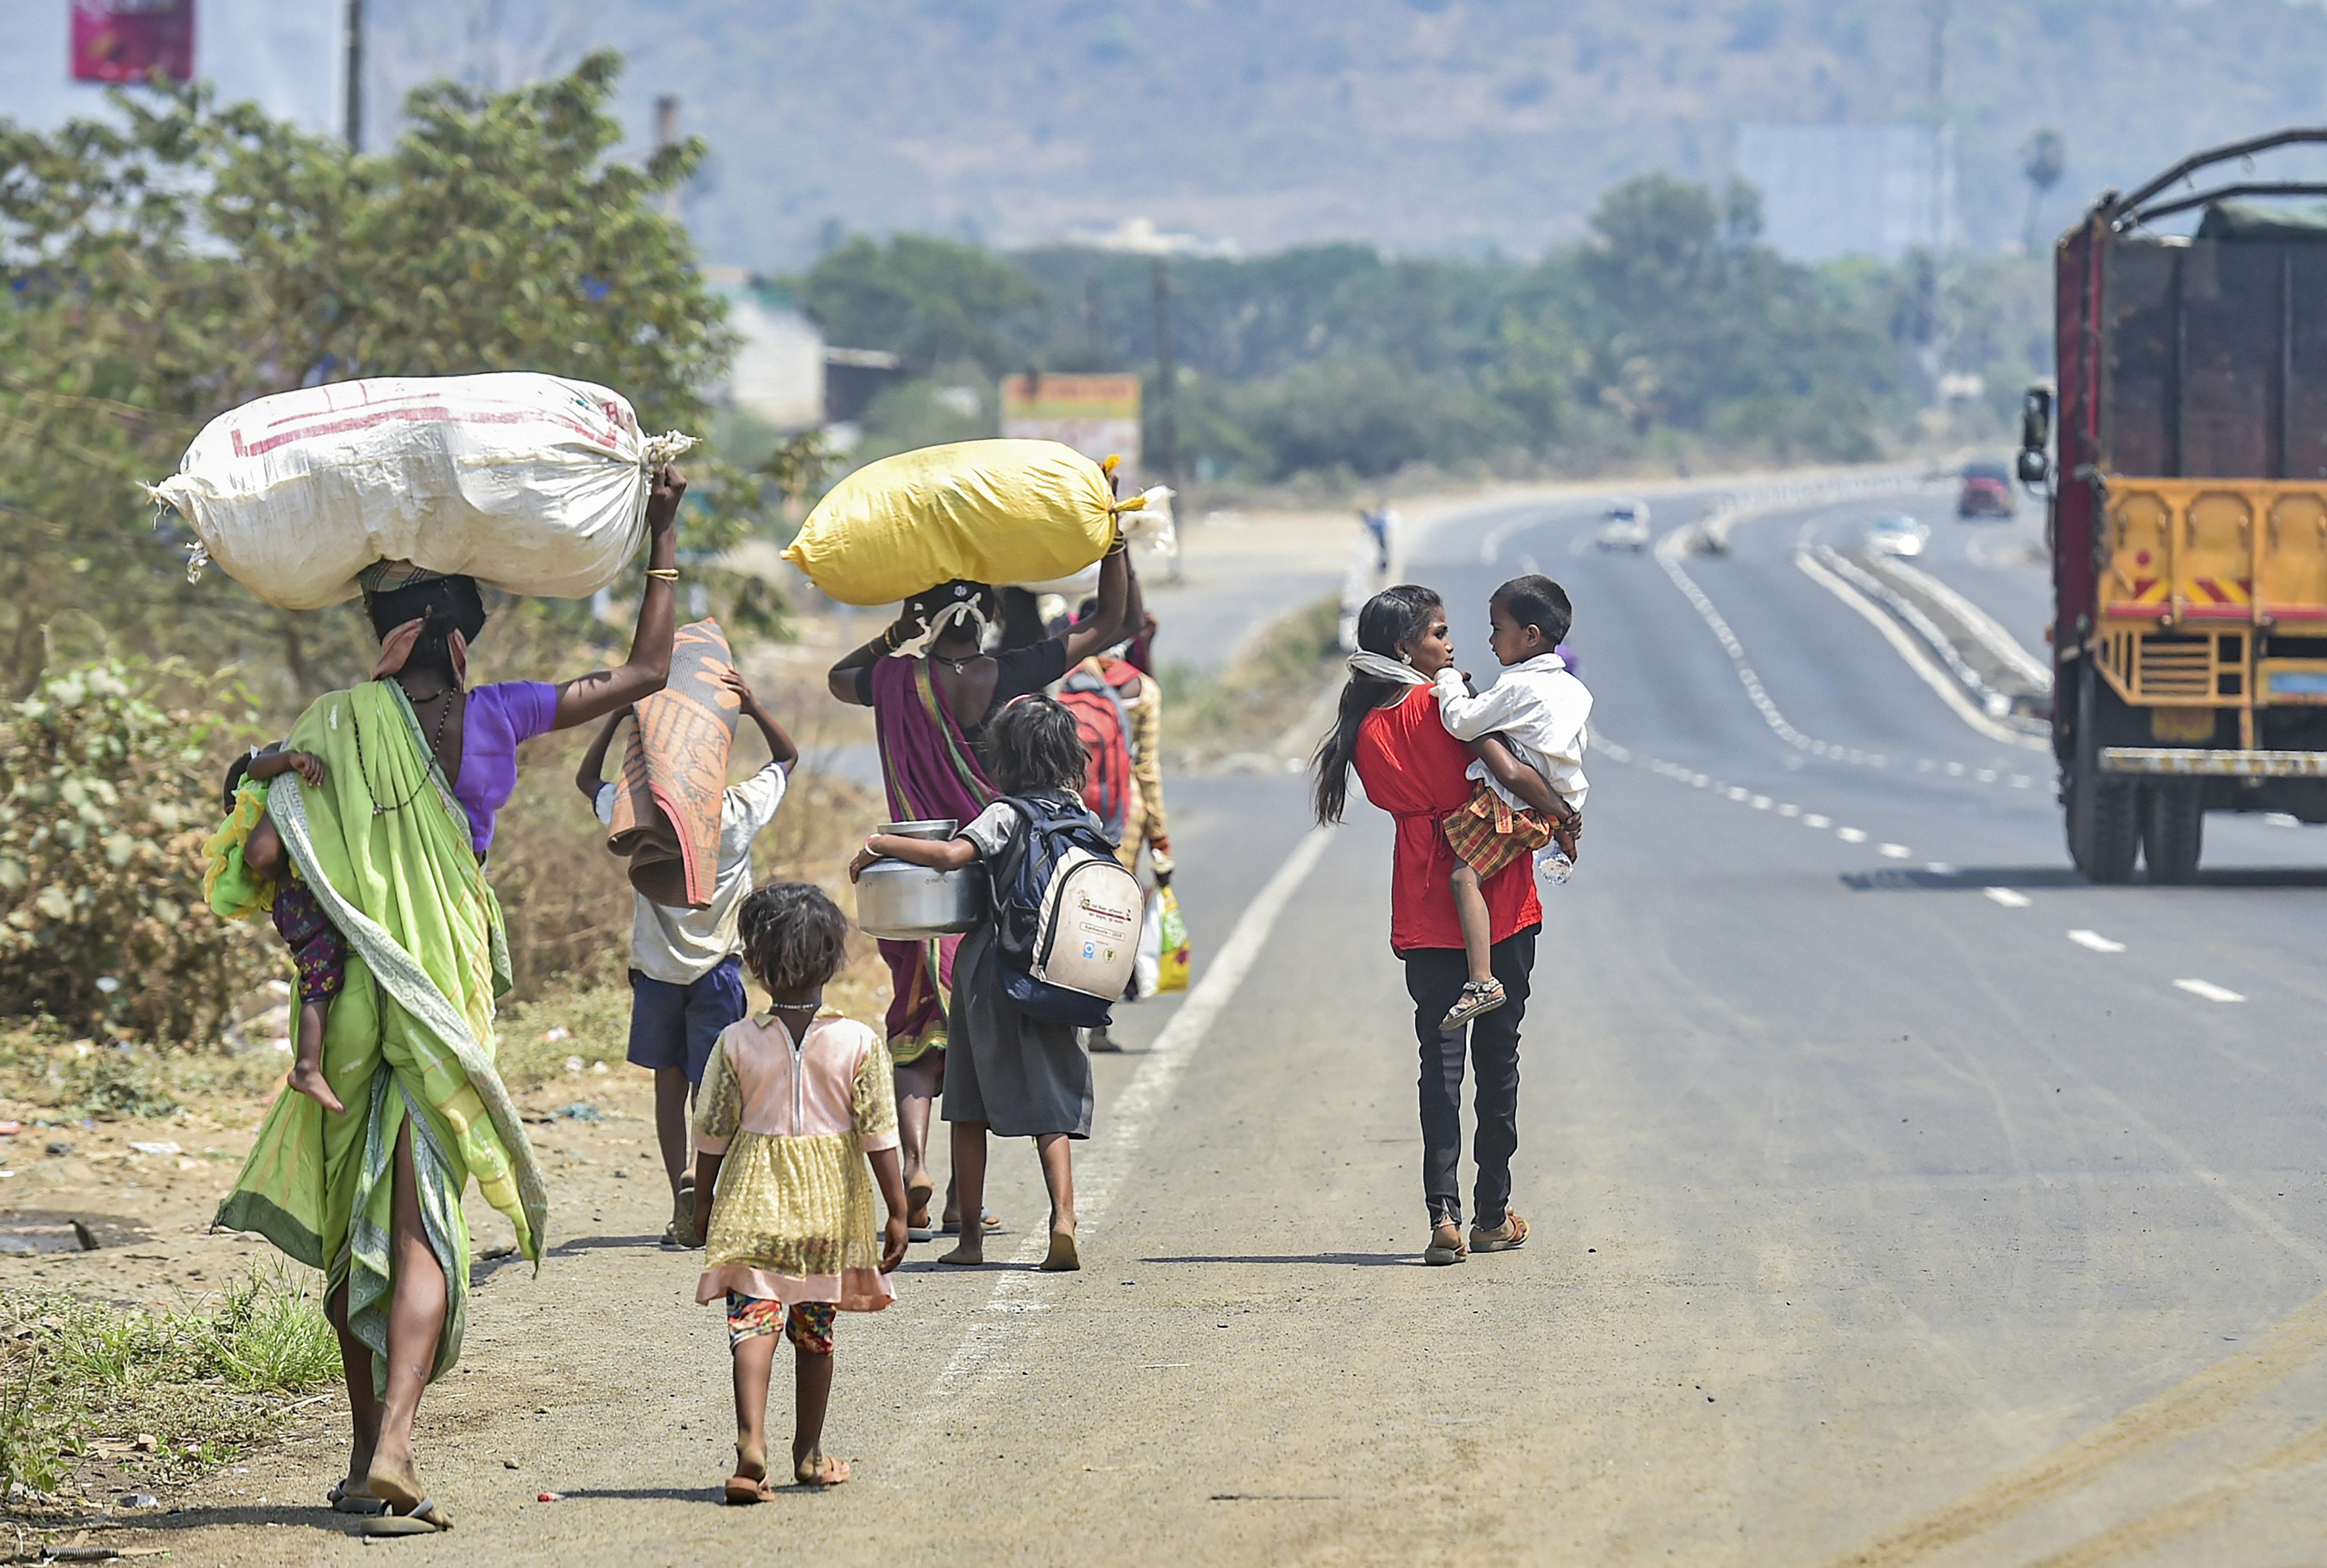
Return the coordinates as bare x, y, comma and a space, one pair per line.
442, 605
1390, 617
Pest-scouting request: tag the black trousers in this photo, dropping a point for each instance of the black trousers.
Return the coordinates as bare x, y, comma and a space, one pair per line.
1433, 978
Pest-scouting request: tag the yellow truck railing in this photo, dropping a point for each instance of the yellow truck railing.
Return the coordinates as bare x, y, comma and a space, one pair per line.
2191, 571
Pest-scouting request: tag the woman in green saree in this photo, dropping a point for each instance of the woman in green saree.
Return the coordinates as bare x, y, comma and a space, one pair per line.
393, 844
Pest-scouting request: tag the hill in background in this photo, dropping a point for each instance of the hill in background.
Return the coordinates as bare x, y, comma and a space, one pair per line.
1423, 125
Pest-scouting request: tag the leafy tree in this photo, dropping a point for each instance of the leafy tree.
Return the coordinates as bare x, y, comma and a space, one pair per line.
927, 300
105, 801
198, 256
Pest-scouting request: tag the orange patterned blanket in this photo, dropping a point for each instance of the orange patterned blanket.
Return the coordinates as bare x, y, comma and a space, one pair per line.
675, 775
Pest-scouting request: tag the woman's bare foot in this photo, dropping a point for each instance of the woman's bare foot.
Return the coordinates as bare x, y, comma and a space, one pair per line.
310, 1081
820, 1470
968, 1254
396, 1479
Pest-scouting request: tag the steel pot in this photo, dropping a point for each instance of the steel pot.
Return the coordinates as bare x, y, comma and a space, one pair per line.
907, 902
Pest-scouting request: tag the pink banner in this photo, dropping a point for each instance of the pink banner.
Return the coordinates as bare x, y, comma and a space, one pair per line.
129, 39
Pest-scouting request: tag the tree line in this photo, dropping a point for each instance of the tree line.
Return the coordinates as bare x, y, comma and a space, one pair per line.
1670, 332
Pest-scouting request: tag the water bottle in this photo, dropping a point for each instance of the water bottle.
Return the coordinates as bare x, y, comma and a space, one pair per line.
1554, 868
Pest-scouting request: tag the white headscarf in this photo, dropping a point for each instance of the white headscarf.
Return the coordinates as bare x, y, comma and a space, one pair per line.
1373, 664
963, 606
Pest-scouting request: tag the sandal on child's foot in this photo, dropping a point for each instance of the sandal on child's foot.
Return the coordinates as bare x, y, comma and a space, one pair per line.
1446, 1244
1478, 996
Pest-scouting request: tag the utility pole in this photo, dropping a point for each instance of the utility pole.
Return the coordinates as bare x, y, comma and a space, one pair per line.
667, 136
355, 41
1166, 462
1167, 422
1934, 294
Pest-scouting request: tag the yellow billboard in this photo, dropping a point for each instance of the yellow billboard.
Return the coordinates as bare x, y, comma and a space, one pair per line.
1094, 414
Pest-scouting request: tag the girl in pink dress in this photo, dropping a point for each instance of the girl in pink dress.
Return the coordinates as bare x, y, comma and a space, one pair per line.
796, 1127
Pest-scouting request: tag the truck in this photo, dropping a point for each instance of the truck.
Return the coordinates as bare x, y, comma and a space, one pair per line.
2187, 511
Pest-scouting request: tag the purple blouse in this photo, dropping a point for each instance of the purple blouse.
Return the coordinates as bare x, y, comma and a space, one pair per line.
499, 719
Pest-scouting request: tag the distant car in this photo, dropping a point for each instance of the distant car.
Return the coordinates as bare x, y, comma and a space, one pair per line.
1986, 491
1897, 534
1625, 526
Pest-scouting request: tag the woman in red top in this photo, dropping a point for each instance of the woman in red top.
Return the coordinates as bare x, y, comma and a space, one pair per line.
1390, 731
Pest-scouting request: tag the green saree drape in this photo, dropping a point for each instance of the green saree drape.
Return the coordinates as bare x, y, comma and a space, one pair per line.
386, 848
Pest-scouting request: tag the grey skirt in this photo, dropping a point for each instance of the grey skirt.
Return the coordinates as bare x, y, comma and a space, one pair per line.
1022, 1076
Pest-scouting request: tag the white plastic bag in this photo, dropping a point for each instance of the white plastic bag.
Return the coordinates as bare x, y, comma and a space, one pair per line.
1149, 530
1147, 968
528, 482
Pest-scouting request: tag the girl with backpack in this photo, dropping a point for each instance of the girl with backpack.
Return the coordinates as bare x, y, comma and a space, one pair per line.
1011, 1069
933, 691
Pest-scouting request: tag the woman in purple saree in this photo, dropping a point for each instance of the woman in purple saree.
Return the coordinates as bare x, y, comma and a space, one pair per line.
920, 678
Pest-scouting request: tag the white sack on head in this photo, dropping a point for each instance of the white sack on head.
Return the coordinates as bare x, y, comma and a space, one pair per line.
528, 482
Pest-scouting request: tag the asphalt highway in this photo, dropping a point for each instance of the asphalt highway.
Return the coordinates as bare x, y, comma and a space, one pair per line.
1898, 1198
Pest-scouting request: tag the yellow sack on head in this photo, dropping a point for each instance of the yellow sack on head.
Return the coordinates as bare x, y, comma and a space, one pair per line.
991, 511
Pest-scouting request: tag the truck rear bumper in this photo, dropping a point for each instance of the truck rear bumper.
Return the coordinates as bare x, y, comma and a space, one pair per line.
2204, 763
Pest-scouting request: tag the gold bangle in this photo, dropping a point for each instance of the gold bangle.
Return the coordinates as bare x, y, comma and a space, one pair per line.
663, 573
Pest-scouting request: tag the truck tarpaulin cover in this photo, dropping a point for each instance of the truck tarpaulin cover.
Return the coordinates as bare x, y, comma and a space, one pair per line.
991, 511
129, 39
529, 483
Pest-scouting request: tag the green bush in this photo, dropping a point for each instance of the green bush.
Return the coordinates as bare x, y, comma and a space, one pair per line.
105, 801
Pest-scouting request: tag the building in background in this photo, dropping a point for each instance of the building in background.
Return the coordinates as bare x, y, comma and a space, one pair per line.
1097, 415
1829, 191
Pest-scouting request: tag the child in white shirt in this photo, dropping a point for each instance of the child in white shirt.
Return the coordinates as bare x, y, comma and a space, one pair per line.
1539, 709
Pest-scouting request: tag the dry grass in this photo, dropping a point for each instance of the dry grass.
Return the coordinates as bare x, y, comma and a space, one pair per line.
1265, 692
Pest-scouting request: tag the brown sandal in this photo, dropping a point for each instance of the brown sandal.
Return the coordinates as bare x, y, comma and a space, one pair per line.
1510, 1234
1478, 996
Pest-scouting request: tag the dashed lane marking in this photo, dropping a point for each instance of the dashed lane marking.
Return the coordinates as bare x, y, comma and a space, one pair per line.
1894, 852
1851, 834
1814, 820
2095, 940
2010, 898
2210, 991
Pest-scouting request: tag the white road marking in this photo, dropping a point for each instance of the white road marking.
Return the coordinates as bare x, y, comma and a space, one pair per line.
1986, 775
1895, 851
1102, 1171
1699, 780
2209, 990
1939, 868
1790, 810
2021, 781
1924, 764
2010, 898
1734, 793
1955, 769
1851, 834
1917, 657
1761, 803
1814, 820
1667, 555
2095, 940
